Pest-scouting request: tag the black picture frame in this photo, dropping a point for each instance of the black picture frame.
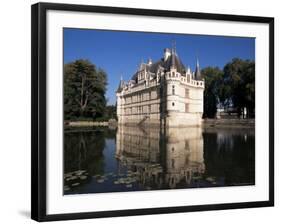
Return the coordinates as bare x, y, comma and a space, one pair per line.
39, 122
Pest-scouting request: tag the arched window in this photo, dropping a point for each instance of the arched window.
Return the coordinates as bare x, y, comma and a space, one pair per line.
173, 90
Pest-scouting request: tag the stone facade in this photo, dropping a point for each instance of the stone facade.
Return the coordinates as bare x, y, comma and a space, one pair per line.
164, 93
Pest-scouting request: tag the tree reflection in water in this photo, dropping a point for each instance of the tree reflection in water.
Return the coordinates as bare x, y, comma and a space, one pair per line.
134, 158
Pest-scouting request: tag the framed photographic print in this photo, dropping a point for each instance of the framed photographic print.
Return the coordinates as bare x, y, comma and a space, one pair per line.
139, 111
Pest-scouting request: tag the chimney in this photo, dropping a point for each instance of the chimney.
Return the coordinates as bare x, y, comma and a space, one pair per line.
167, 53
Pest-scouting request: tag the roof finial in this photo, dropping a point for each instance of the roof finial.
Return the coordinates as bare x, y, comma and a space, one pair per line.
197, 70
121, 85
197, 60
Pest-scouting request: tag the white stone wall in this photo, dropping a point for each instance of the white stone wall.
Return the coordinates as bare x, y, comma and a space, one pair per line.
182, 101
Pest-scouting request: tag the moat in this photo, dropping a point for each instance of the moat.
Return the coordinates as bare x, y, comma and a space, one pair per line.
102, 159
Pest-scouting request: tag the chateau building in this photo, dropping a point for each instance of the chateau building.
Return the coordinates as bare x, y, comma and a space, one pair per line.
164, 93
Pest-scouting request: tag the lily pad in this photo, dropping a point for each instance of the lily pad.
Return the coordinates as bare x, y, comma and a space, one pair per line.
71, 178
100, 180
80, 172
83, 177
66, 188
67, 175
210, 179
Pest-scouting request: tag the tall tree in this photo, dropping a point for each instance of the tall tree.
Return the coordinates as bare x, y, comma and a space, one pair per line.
84, 89
239, 76
213, 84
233, 87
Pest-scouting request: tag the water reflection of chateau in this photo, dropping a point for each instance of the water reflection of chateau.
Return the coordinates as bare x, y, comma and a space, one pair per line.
166, 158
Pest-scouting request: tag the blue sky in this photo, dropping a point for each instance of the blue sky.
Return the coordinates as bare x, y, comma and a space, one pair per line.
120, 53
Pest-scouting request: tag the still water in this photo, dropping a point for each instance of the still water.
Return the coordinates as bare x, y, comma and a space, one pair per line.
100, 160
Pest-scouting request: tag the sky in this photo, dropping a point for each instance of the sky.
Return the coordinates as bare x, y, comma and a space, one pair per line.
119, 53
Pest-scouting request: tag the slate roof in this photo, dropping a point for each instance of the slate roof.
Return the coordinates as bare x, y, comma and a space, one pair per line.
172, 60
120, 87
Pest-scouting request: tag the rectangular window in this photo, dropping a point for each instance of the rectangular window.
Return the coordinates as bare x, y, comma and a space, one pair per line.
158, 93
186, 93
186, 108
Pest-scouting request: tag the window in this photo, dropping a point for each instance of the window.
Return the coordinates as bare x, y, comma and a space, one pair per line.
159, 91
187, 145
186, 107
173, 90
186, 93
173, 104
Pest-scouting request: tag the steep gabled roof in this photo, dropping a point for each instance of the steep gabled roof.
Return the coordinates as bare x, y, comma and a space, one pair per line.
120, 87
172, 61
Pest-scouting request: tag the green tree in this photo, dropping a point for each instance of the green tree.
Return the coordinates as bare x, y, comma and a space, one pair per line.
232, 87
213, 77
239, 81
84, 90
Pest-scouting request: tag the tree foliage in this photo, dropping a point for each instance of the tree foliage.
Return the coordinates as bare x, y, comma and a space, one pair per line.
84, 90
239, 75
234, 86
213, 81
